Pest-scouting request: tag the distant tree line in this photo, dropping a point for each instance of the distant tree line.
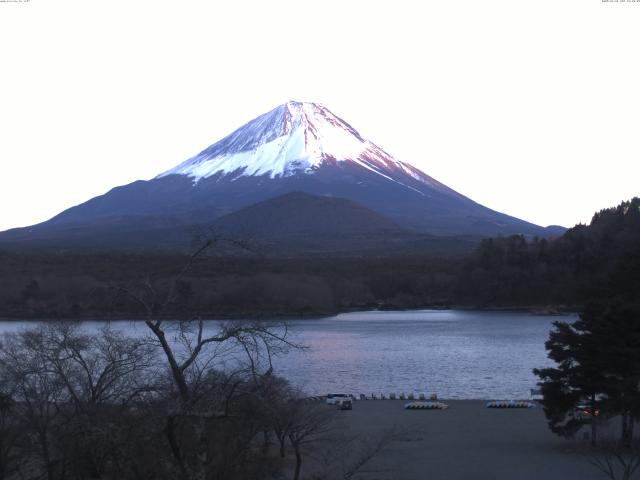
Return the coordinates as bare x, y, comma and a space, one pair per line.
598, 260
70, 286
170, 404
502, 272
596, 380
180, 400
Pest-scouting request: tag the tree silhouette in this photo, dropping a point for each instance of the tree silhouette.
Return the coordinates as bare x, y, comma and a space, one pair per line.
598, 364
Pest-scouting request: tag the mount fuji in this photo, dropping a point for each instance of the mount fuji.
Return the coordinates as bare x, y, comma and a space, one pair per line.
296, 147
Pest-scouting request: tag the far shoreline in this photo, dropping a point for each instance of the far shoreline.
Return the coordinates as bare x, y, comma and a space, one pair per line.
535, 310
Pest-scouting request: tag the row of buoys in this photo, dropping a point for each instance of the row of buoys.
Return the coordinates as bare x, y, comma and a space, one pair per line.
426, 406
510, 404
402, 396
432, 403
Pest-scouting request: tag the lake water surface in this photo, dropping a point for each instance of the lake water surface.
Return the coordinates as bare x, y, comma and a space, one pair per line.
456, 354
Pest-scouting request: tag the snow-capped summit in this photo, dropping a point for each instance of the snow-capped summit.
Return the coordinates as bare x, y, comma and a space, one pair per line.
293, 138
341, 181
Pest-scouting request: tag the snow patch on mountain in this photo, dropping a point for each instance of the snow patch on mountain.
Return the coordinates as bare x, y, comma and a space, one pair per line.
295, 138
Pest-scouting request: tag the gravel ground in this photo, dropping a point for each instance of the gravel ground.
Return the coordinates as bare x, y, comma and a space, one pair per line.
466, 441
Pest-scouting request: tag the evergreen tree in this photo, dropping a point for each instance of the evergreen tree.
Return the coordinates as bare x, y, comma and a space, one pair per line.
598, 359
577, 379
617, 329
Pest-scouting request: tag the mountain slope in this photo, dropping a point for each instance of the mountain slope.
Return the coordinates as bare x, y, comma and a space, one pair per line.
298, 223
291, 139
297, 147
301, 214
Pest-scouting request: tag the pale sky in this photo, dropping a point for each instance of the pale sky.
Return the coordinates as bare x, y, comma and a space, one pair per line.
529, 107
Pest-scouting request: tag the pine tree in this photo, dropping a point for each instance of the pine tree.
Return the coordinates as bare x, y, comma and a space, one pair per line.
617, 329
576, 380
598, 359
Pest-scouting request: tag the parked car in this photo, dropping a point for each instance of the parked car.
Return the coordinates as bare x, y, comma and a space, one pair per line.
584, 411
334, 398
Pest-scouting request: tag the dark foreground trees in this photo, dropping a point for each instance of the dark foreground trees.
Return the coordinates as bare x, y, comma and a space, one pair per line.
615, 460
215, 373
68, 395
82, 404
598, 359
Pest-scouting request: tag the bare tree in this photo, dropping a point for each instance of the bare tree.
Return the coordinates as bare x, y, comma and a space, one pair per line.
307, 424
617, 460
314, 431
344, 456
98, 368
243, 350
70, 389
10, 436
280, 421
39, 392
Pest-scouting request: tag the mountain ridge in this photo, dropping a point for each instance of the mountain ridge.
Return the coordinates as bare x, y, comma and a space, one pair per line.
293, 137
296, 147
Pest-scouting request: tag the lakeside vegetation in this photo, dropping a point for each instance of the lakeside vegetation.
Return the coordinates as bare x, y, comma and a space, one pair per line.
75, 405
505, 272
104, 405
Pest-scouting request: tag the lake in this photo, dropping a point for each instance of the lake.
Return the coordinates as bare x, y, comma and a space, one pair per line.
454, 353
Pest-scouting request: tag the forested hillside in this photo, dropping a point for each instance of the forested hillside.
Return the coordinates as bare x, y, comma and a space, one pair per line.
587, 261
505, 272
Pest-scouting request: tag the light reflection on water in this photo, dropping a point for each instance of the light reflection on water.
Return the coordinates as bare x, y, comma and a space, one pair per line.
457, 354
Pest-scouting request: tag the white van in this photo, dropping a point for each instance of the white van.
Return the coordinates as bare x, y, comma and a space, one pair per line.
334, 398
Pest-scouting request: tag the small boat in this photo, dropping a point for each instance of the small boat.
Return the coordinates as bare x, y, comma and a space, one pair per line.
426, 406
510, 404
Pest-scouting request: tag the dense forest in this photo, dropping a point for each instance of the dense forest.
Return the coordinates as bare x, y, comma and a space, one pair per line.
505, 272
595, 261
